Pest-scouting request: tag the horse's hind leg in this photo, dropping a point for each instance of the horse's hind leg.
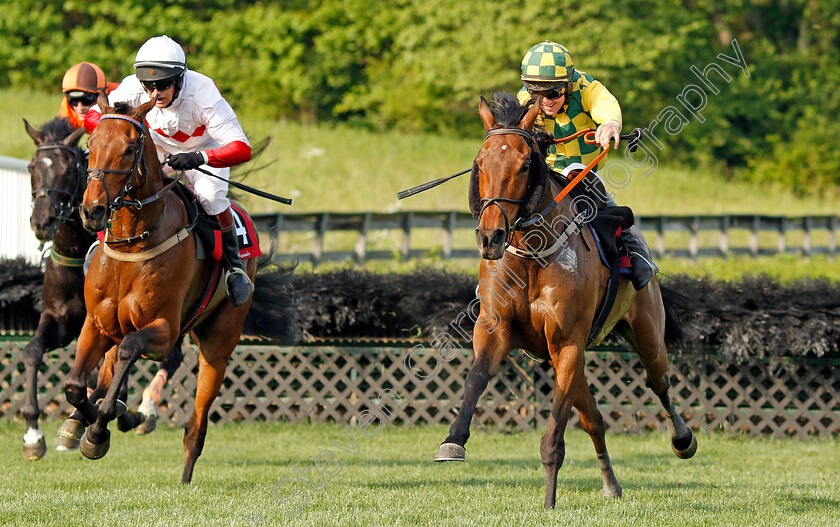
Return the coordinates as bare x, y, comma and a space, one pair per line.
215, 345
646, 334
592, 423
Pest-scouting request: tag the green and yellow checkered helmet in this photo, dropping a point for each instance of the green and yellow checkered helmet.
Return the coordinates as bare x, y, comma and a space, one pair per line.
547, 65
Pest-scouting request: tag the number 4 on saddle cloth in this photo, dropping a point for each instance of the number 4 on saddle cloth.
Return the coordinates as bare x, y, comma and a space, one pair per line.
209, 246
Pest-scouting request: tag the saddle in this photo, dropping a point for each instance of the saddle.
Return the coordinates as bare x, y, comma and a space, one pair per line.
208, 233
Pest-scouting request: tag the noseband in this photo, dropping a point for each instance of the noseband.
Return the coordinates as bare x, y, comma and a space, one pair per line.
531, 139
64, 209
97, 173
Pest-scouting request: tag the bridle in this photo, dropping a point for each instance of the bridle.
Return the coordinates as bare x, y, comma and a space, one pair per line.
120, 200
532, 141
64, 209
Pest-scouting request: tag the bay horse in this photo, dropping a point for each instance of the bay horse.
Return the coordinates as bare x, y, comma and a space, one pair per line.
547, 305
138, 292
58, 179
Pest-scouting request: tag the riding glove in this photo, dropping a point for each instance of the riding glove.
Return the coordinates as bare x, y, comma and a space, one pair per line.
187, 161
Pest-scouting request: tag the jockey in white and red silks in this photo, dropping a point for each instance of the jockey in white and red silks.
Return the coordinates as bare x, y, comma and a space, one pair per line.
196, 125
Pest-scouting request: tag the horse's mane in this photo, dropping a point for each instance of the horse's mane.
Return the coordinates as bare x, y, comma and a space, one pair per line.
506, 110
57, 129
122, 108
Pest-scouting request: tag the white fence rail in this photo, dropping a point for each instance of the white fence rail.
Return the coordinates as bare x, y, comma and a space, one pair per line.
16, 238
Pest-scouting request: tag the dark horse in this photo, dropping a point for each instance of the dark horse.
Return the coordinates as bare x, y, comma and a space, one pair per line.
57, 173
547, 304
139, 291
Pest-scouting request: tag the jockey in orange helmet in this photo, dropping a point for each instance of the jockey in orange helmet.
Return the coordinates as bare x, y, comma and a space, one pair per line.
81, 85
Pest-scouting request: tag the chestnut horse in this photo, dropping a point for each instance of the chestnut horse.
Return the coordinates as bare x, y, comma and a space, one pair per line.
137, 295
546, 303
57, 174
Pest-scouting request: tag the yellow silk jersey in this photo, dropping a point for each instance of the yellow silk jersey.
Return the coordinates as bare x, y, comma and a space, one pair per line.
589, 105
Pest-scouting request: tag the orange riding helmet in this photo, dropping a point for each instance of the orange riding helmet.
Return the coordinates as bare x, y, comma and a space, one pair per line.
84, 77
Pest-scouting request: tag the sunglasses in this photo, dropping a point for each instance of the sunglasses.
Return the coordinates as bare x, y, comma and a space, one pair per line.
161, 85
548, 94
88, 99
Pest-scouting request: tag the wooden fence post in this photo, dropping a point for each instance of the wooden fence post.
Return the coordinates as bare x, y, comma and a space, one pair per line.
361, 242
723, 239
754, 236
320, 231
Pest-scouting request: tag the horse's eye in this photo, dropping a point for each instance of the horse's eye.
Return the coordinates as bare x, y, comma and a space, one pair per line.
130, 150
526, 166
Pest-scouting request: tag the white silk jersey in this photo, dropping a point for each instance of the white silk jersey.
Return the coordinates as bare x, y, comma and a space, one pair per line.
198, 119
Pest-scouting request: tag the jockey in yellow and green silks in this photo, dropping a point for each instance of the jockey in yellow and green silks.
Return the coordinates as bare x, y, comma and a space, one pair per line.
572, 101
548, 69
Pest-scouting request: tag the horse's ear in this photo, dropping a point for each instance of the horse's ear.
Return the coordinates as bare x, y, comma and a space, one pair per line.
527, 122
486, 115
74, 137
34, 133
140, 112
102, 102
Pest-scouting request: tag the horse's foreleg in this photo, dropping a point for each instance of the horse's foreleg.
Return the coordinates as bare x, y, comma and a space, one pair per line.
489, 353
152, 338
568, 373
46, 338
90, 349
592, 423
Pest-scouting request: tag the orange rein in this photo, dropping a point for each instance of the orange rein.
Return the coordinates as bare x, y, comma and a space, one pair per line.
589, 138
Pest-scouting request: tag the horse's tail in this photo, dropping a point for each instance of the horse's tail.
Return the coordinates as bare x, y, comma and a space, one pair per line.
274, 307
676, 312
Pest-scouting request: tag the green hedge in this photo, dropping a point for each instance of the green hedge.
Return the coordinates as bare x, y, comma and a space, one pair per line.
420, 65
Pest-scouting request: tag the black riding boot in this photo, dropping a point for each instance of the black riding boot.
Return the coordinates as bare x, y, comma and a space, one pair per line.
237, 284
643, 266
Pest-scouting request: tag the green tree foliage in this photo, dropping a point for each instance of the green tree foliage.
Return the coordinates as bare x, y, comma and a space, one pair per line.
421, 65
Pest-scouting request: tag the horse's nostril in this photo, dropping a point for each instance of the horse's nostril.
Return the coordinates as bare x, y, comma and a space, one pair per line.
97, 212
498, 237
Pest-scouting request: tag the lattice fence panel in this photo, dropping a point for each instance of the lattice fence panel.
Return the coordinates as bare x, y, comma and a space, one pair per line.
323, 383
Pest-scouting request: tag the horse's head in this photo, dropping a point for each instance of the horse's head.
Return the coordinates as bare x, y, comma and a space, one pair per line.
508, 175
56, 172
116, 153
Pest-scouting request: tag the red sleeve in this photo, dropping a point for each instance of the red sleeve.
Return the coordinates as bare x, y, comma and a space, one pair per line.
231, 154
92, 119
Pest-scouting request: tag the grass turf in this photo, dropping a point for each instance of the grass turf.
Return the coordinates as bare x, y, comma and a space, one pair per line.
391, 480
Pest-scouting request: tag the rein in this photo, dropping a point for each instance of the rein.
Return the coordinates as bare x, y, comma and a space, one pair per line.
538, 217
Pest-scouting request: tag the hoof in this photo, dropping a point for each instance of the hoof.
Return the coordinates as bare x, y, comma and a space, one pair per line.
451, 452
66, 444
681, 450
129, 421
612, 492
69, 434
148, 426
92, 450
35, 451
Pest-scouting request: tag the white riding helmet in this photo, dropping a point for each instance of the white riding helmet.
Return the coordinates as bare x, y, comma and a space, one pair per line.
160, 58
